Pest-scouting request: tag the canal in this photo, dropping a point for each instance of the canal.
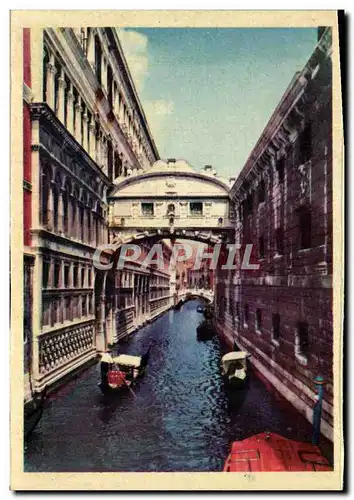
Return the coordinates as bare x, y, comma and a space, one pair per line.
181, 418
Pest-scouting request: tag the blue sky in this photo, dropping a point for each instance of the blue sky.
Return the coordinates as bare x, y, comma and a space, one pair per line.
208, 93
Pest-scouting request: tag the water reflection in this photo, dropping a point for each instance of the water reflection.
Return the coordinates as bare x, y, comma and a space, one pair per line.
182, 419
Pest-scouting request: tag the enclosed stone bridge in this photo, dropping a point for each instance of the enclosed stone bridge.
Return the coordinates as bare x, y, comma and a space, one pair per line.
170, 200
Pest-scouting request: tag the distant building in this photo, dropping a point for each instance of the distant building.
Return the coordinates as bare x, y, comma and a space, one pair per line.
282, 313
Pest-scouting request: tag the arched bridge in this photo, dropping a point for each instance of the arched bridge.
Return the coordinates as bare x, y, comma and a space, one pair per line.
193, 293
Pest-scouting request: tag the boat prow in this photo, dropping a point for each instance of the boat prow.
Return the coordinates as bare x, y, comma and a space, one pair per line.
234, 367
270, 452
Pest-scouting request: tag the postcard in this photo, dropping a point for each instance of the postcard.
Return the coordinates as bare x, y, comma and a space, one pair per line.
177, 250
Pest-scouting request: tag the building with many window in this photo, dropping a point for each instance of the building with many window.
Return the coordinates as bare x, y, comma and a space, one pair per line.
282, 312
83, 127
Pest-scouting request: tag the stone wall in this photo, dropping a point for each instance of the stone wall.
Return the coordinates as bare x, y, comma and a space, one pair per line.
282, 312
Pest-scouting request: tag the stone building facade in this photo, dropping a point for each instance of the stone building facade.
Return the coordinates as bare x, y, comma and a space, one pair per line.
83, 127
282, 312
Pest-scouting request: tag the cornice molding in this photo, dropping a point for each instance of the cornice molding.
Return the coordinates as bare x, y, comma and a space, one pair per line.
41, 111
194, 175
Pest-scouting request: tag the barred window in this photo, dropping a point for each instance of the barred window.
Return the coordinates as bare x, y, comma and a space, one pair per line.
196, 208
276, 326
259, 320
147, 209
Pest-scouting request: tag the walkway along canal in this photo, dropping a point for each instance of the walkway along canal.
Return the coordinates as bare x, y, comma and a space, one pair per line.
182, 418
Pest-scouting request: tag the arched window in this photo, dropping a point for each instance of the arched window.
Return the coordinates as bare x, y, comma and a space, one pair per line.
56, 87
45, 69
82, 217
98, 60
74, 201
89, 218
56, 192
171, 209
46, 181
66, 197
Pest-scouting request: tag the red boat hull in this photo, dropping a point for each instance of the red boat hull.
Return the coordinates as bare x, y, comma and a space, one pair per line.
269, 452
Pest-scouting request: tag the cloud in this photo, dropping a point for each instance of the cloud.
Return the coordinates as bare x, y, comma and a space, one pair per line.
160, 107
135, 48
157, 114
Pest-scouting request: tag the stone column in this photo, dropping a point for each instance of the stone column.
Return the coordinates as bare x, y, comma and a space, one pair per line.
73, 217
50, 76
60, 212
78, 120
36, 315
116, 101
109, 324
104, 72
101, 343
70, 110
92, 140
93, 227
71, 275
98, 148
121, 112
50, 223
61, 96
85, 129
91, 52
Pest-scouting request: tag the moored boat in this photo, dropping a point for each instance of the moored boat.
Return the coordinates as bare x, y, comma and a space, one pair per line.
270, 452
125, 370
234, 367
208, 312
205, 330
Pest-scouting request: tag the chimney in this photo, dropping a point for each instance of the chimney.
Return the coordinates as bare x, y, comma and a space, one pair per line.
208, 169
171, 161
232, 180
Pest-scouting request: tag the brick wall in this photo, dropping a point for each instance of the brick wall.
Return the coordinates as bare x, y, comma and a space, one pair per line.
282, 312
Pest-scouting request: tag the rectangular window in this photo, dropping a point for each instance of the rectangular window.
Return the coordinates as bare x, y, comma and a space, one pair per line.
45, 277
302, 339
83, 277
84, 305
276, 327
280, 167
249, 204
258, 320
98, 60
261, 247
305, 145
261, 192
246, 314
196, 208
147, 209
57, 268
279, 240
305, 227
66, 275
110, 85
68, 314
76, 276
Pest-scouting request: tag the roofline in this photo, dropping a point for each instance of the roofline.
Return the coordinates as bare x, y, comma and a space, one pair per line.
114, 39
291, 95
130, 180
